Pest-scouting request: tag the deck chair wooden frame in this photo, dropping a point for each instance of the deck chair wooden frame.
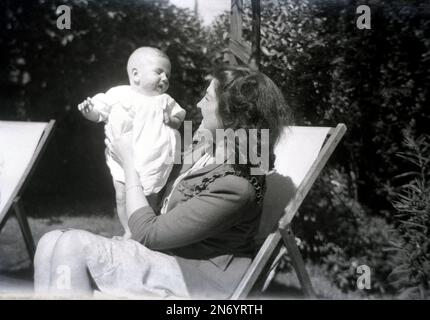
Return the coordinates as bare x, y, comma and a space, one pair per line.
272, 248
14, 203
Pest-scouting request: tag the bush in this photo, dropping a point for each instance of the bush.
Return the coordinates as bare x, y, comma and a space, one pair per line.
336, 230
376, 82
411, 236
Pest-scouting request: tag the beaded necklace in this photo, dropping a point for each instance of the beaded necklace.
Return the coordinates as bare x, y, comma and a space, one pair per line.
191, 190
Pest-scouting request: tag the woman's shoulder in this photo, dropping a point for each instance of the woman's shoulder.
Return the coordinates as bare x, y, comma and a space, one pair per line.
229, 180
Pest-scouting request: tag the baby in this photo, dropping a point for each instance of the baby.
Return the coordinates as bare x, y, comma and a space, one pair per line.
144, 109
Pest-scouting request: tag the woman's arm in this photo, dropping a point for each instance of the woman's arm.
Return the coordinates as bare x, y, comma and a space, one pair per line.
134, 196
216, 209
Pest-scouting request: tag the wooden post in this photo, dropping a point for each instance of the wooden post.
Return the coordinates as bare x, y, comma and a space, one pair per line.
235, 27
255, 41
240, 49
196, 8
236, 20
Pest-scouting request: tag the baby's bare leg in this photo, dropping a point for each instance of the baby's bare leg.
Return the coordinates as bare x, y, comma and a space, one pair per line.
120, 206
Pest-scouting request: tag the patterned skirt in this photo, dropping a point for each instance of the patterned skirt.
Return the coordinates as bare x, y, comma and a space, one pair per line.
127, 269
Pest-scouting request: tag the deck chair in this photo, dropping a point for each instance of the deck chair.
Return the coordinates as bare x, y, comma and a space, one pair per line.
21, 145
301, 154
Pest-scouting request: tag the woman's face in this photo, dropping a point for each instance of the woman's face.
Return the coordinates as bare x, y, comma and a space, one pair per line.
209, 109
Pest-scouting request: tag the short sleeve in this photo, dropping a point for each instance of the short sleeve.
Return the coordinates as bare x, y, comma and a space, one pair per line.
174, 109
103, 102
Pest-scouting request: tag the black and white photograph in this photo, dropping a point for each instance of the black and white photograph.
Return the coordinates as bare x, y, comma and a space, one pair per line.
217, 150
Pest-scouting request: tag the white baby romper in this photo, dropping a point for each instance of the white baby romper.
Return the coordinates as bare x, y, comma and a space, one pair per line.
154, 143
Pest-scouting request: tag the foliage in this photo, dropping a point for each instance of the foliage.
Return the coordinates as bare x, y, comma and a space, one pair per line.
375, 81
411, 236
336, 229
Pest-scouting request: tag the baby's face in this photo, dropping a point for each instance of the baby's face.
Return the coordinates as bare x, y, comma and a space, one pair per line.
154, 74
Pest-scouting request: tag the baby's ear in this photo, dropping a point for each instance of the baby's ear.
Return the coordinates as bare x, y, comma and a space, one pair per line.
135, 75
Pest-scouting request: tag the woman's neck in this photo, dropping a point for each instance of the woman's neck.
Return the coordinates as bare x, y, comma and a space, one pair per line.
224, 152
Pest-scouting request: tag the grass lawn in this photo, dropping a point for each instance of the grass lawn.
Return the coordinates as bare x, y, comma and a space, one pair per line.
16, 274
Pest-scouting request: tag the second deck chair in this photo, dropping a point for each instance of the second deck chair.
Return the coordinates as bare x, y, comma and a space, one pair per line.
301, 154
21, 145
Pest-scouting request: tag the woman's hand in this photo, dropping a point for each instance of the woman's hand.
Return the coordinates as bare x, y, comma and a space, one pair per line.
122, 147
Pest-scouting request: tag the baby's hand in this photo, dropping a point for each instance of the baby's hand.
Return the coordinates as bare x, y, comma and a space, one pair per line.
173, 122
88, 111
166, 118
86, 107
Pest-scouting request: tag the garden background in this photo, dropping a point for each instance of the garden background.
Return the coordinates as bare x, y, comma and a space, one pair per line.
370, 206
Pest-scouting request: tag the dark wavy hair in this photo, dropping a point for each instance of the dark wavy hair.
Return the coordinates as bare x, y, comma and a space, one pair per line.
249, 99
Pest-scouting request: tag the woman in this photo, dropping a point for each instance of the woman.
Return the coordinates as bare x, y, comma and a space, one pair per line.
203, 240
